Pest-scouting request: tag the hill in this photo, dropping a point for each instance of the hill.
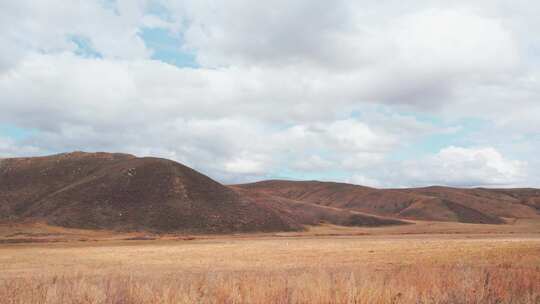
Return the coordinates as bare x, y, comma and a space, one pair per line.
483, 206
128, 193
124, 192
117, 191
306, 213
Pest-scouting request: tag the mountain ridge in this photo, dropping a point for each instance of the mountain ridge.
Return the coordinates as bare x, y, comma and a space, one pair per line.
437, 203
125, 192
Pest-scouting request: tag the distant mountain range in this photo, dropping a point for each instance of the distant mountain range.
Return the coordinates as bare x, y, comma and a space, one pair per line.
124, 192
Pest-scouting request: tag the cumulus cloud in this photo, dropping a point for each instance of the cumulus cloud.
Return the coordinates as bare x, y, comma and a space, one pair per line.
359, 179
371, 52
458, 166
12, 148
300, 87
50, 27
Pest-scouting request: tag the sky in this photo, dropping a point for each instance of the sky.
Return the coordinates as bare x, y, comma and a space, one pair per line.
378, 93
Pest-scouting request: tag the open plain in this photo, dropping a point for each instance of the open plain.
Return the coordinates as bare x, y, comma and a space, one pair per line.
269, 152
467, 263
114, 228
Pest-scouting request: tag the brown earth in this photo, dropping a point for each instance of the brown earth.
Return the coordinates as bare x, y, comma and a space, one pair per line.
306, 213
127, 193
123, 192
478, 205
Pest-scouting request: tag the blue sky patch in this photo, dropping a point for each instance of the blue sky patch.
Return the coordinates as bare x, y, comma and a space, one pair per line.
84, 47
14, 132
434, 143
167, 47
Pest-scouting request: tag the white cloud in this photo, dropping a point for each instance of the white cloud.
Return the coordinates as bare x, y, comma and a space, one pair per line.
371, 52
455, 41
458, 166
244, 166
283, 85
364, 181
49, 27
12, 148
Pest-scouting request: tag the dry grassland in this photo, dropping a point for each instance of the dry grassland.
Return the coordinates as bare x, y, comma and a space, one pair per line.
421, 268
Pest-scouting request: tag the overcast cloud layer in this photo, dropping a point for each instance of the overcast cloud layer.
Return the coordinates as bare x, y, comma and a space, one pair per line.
380, 93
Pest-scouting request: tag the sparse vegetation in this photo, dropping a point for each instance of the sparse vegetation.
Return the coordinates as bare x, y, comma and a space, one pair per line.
374, 269
418, 284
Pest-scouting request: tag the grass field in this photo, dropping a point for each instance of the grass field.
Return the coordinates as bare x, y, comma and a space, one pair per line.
359, 266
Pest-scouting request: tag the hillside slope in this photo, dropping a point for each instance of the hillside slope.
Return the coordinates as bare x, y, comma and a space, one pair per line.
116, 191
124, 192
483, 206
312, 214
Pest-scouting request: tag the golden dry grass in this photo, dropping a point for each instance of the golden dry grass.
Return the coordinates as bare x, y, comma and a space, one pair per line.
40, 232
402, 285
348, 269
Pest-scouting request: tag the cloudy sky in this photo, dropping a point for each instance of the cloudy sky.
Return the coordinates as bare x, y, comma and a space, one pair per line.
380, 93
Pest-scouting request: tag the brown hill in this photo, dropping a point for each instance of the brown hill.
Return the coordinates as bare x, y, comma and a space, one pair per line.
491, 202
432, 203
123, 192
312, 214
117, 191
